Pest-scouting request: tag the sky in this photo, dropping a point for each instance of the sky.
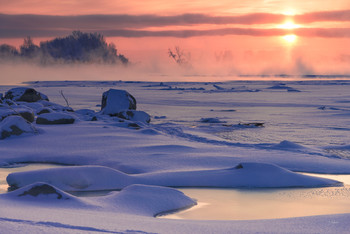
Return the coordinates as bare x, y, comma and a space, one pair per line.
220, 37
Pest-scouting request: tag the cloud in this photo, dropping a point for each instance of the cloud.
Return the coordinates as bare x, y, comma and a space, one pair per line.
14, 26
303, 32
131, 21
340, 16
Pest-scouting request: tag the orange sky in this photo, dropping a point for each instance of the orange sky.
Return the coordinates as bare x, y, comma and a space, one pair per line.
241, 37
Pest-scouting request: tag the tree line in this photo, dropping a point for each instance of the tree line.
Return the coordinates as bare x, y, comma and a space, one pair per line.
78, 47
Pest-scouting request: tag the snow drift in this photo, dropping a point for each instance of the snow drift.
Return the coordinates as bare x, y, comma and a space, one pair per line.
85, 178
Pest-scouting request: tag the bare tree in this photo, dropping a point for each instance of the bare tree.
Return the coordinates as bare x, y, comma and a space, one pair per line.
64, 97
179, 56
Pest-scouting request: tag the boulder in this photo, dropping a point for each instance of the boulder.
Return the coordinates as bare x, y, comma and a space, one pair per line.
115, 101
25, 95
136, 116
14, 125
55, 118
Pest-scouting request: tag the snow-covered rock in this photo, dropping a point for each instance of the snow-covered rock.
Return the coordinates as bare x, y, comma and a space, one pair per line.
86, 114
133, 115
211, 120
115, 101
39, 191
24, 111
25, 94
283, 87
55, 106
14, 125
55, 118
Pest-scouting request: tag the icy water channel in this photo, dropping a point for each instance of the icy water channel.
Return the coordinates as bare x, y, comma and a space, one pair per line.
243, 204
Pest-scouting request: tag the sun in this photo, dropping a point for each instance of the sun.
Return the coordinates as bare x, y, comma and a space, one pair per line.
290, 38
289, 25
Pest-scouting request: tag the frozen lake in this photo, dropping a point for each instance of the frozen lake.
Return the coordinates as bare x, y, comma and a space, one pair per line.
200, 135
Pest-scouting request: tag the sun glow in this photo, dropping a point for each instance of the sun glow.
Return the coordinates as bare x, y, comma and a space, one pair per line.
290, 38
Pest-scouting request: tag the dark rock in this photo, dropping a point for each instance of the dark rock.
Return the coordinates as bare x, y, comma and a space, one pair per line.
211, 120
41, 189
27, 115
254, 124
14, 131
55, 118
115, 101
44, 110
134, 125
25, 95
38, 192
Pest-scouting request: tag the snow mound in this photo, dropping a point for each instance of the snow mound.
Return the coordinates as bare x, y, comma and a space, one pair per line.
87, 178
288, 145
247, 174
149, 200
39, 191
